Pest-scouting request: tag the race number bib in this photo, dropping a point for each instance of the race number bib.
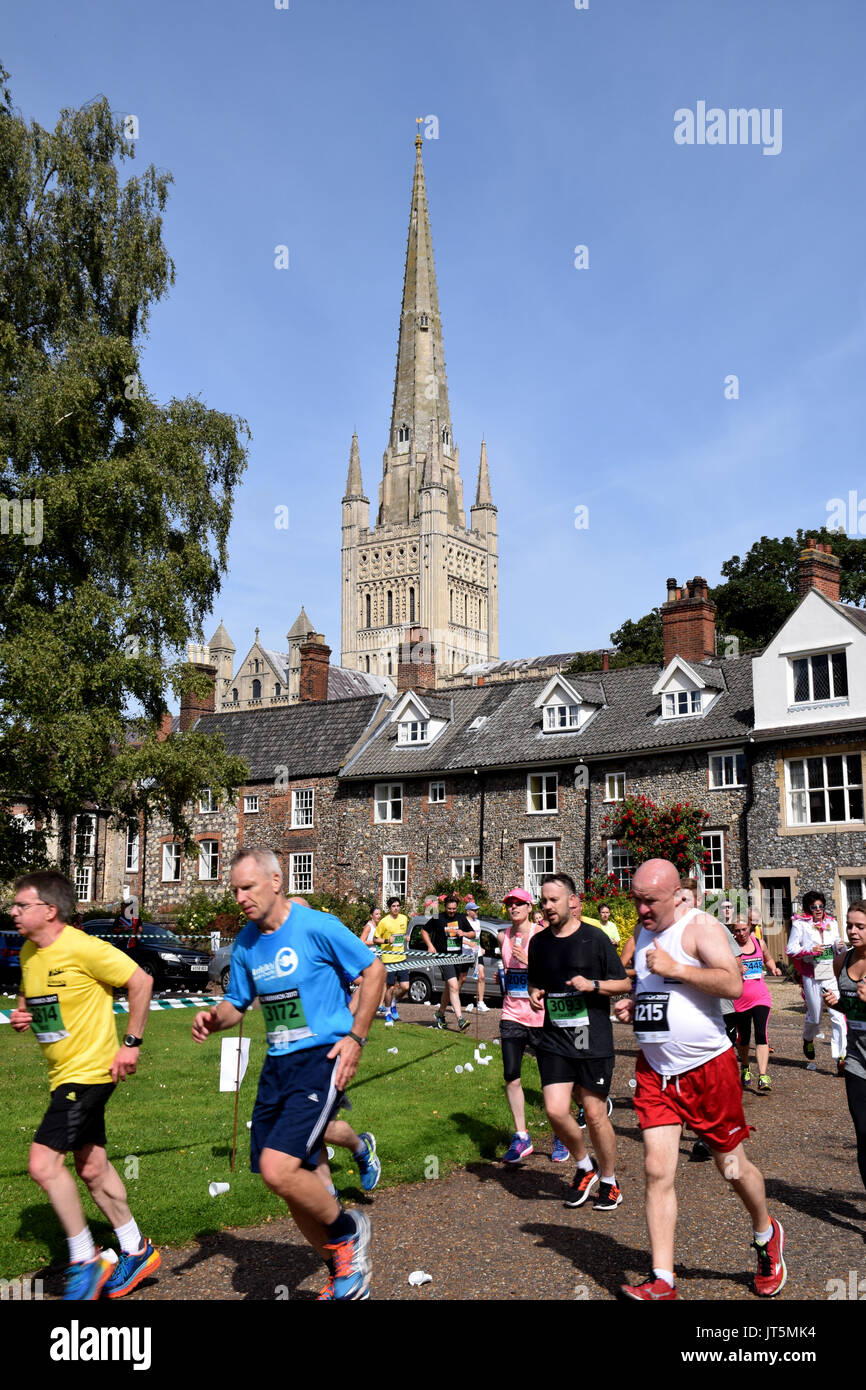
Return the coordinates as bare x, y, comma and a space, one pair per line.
398, 945
854, 1008
568, 1011
285, 1020
453, 943
651, 1018
517, 983
754, 969
826, 954
47, 1019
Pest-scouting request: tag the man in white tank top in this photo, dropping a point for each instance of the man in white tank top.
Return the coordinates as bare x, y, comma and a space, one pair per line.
687, 1072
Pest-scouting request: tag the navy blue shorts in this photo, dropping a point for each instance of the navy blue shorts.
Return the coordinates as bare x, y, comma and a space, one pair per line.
296, 1099
396, 975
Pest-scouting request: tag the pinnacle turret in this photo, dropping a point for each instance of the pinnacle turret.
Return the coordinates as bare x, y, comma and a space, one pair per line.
354, 481
483, 497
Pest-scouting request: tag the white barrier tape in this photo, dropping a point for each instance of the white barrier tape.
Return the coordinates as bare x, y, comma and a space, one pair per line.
188, 1002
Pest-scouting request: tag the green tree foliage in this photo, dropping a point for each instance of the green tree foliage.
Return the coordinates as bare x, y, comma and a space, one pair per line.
115, 508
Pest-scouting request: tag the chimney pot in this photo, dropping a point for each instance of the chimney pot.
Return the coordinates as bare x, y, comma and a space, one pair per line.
818, 568
689, 622
315, 662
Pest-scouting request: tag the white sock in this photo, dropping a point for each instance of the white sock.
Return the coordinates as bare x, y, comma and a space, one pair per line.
585, 1164
665, 1274
761, 1237
129, 1238
523, 1134
81, 1247
611, 1180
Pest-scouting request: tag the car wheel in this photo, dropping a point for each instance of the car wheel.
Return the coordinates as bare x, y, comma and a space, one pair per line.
224, 981
420, 989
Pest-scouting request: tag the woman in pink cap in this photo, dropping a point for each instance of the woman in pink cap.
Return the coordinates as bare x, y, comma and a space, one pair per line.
520, 1023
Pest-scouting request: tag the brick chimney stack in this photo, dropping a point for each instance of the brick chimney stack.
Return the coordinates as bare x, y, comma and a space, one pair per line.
688, 621
192, 705
315, 664
818, 568
416, 665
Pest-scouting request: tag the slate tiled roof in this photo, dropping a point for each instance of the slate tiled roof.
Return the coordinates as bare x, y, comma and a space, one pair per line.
856, 615
344, 683
308, 739
512, 735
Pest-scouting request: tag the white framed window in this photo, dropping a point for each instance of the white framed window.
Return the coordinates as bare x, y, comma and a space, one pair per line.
132, 844
171, 860
538, 859
853, 890
209, 859
85, 831
823, 676
437, 792
300, 873
208, 803
614, 786
303, 799
727, 770
825, 791
388, 801
712, 875
561, 716
83, 882
680, 702
251, 805
620, 863
542, 792
395, 868
468, 867
412, 731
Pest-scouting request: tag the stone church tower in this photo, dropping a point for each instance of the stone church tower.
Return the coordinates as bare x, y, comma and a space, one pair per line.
418, 565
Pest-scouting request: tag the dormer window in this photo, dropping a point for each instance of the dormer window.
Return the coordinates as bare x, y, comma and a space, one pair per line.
820, 677
412, 731
679, 702
423, 323
558, 717
403, 434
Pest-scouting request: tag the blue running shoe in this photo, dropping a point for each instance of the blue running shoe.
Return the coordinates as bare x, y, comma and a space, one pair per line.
352, 1261
85, 1279
518, 1149
369, 1166
394, 1013
130, 1270
560, 1152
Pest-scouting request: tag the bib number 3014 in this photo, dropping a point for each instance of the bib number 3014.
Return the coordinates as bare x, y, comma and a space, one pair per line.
651, 1018
285, 1020
47, 1019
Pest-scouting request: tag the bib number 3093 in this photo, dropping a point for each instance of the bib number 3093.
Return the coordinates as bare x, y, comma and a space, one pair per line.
651, 1018
569, 1011
285, 1020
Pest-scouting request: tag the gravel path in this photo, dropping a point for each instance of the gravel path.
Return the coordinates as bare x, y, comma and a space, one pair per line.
489, 1232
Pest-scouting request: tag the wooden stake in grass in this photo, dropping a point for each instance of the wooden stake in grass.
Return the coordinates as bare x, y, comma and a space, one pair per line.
237, 1094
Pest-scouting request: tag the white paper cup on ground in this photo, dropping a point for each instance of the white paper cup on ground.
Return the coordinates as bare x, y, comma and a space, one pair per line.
418, 1277
216, 1188
469, 1067
329, 1151
458, 1070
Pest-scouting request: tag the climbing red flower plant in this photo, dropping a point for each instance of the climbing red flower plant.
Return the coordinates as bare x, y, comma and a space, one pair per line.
650, 831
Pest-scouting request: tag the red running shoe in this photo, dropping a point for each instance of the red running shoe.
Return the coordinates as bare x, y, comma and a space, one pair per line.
772, 1271
653, 1290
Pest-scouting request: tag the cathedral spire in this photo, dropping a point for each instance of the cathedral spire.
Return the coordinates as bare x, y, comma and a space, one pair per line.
420, 385
483, 497
354, 482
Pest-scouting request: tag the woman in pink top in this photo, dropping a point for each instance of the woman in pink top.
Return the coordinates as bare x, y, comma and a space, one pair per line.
753, 1004
520, 1023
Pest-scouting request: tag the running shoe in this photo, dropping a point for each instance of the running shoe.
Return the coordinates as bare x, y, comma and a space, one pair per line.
700, 1152
609, 1196
439, 1022
352, 1261
369, 1166
517, 1149
560, 1152
580, 1117
327, 1292
746, 1077
381, 1011
389, 1022
581, 1185
482, 1007
809, 1050
840, 1066
394, 1013
467, 1008
130, 1270
772, 1271
463, 1024
85, 1279
764, 1085
653, 1290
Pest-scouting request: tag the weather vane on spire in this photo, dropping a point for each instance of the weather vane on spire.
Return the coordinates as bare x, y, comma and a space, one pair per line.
419, 121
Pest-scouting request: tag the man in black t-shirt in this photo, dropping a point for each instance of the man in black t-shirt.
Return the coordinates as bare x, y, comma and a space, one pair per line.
450, 935
573, 972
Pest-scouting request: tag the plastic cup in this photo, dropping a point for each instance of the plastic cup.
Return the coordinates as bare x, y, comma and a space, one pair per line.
216, 1188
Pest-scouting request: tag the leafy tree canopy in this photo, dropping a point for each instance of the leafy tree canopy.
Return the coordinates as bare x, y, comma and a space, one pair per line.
114, 509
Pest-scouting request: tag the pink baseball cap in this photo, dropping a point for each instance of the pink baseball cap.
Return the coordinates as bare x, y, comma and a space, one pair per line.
522, 895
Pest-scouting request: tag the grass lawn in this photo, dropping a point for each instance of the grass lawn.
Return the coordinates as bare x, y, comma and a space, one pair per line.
172, 1126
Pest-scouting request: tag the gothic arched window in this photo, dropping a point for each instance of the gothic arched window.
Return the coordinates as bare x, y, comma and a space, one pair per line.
257, 689
367, 606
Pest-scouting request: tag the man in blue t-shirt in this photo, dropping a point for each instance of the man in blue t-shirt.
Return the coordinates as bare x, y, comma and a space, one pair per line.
299, 963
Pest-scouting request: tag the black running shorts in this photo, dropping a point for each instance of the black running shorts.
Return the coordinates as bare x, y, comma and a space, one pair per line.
75, 1117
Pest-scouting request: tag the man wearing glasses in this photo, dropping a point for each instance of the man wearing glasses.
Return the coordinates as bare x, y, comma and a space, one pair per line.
66, 999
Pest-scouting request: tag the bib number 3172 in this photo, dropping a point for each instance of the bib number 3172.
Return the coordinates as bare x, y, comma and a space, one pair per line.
285, 1020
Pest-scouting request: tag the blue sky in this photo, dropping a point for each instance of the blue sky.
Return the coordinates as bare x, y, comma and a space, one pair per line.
602, 387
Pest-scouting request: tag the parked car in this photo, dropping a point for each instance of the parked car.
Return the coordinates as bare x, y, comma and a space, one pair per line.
426, 980
158, 952
218, 970
10, 961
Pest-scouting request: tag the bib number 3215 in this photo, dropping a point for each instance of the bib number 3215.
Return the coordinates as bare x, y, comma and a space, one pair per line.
651, 1018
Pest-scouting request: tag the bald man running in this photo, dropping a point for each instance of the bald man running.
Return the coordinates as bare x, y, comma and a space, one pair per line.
687, 1072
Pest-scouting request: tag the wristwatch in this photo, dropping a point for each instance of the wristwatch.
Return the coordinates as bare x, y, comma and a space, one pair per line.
595, 986
132, 1041
362, 1042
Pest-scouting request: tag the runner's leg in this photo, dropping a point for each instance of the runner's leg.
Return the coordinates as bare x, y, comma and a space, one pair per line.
557, 1104
600, 1129
313, 1209
103, 1183
747, 1182
661, 1155
48, 1168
